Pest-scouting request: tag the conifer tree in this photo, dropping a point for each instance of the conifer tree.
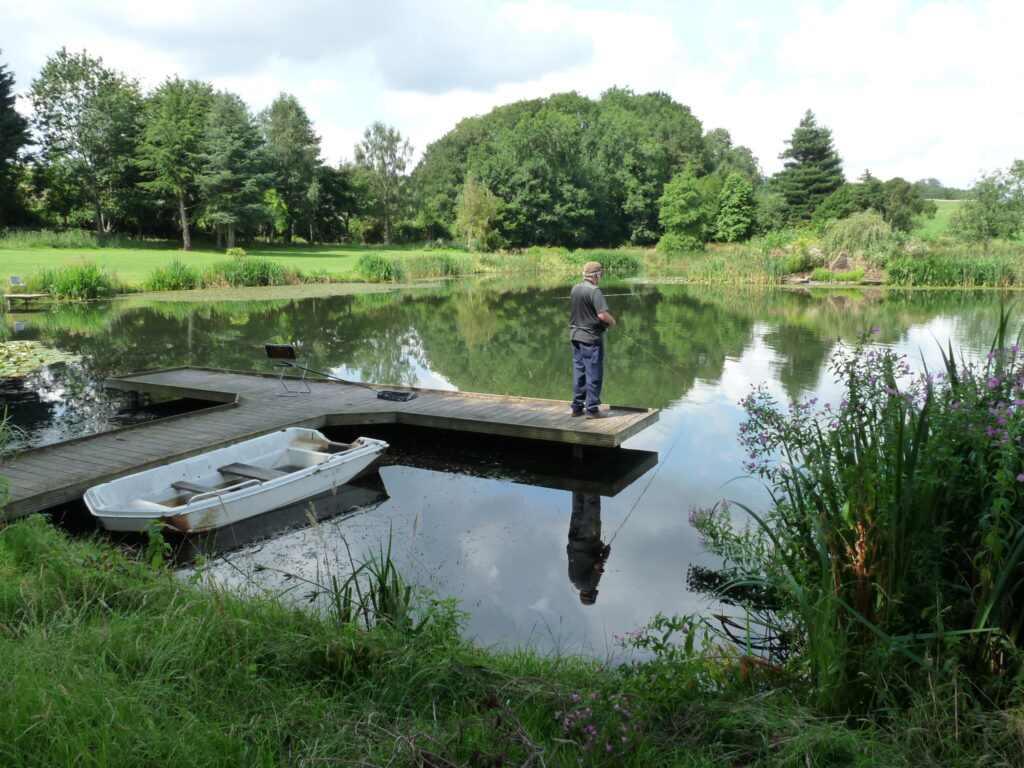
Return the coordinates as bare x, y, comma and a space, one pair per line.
813, 168
235, 168
13, 136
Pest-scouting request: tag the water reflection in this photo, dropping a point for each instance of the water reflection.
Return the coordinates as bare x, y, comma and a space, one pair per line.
587, 553
488, 524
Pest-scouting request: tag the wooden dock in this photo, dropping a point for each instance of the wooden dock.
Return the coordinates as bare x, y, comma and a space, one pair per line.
250, 404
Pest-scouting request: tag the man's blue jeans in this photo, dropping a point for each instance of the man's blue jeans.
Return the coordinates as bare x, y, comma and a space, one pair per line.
588, 372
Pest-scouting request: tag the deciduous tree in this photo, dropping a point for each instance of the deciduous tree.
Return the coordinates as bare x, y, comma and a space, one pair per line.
385, 154
475, 219
687, 211
993, 208
88, 117
171, 150
295, 155
735, 218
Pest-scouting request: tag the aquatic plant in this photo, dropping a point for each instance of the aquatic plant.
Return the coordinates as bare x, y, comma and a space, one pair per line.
895, 542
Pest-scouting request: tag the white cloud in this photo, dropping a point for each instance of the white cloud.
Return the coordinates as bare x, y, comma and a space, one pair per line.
911, 88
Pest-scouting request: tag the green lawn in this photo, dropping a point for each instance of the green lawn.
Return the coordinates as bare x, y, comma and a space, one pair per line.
931, 229
133, 265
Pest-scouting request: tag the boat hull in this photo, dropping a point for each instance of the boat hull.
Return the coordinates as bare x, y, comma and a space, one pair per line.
227, 485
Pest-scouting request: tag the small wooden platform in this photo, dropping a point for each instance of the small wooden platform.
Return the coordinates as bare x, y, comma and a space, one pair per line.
249, 405
24, 297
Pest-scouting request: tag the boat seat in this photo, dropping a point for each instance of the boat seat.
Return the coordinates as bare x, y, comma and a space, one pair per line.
251, 471
185, 485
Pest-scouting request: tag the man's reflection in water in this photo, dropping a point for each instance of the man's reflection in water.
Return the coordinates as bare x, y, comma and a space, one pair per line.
587, 553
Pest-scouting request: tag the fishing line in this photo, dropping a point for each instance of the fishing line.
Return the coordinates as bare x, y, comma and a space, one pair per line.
646, 487
645, 349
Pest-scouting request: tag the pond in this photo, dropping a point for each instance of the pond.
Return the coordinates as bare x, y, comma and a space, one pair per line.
489, 524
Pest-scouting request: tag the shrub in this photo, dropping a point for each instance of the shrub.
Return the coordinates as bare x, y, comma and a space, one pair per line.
176, 276
674, 244
864, 232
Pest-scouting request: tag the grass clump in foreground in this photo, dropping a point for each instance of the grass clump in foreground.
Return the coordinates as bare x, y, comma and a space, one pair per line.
116, 662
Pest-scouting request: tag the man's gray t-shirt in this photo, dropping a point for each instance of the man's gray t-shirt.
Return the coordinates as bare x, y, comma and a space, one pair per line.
587, 303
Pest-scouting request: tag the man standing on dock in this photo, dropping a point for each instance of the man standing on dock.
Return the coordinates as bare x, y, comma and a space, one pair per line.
588, 320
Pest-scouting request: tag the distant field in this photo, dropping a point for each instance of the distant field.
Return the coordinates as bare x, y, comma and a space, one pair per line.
930, 229
133, 265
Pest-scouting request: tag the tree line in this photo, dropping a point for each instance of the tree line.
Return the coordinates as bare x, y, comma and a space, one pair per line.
565, 170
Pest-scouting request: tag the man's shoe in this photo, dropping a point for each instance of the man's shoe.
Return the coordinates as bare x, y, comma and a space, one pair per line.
577, 413
595, 415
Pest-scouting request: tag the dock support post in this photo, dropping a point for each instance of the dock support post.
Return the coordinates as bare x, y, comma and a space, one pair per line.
577, 451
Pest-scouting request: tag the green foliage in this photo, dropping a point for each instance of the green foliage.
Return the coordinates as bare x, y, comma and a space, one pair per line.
956, 270
569, 171
376, 268
722, 159
475, 217
82, 280
993, 208
88, 118
170, 151
687, 211
70, 238
735, 219
250, 270
176, 276
822, 275
864, 232
384, 154
294, 151
234, 175
895, 545
14, 135
933, 189
812, 168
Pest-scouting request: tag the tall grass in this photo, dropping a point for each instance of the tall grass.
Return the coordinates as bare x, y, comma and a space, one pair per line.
75, 281
895, 543
176, 276
70, 238
246, 271
959, 270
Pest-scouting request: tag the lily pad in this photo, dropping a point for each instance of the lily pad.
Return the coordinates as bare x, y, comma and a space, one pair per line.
18, 358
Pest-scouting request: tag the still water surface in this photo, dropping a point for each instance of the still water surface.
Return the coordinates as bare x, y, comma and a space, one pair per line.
457, 521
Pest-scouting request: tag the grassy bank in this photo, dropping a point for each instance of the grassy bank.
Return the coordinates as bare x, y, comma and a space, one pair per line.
112, 661
88, 272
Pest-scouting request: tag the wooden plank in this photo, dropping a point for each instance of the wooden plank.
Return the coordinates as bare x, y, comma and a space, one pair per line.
250, 406
251, 471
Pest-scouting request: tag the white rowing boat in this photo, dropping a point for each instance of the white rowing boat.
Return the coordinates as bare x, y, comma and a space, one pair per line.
229, 484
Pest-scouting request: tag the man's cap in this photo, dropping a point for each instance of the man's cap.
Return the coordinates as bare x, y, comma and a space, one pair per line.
592, 268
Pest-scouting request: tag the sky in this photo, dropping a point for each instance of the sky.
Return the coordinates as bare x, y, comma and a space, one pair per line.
910, 88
